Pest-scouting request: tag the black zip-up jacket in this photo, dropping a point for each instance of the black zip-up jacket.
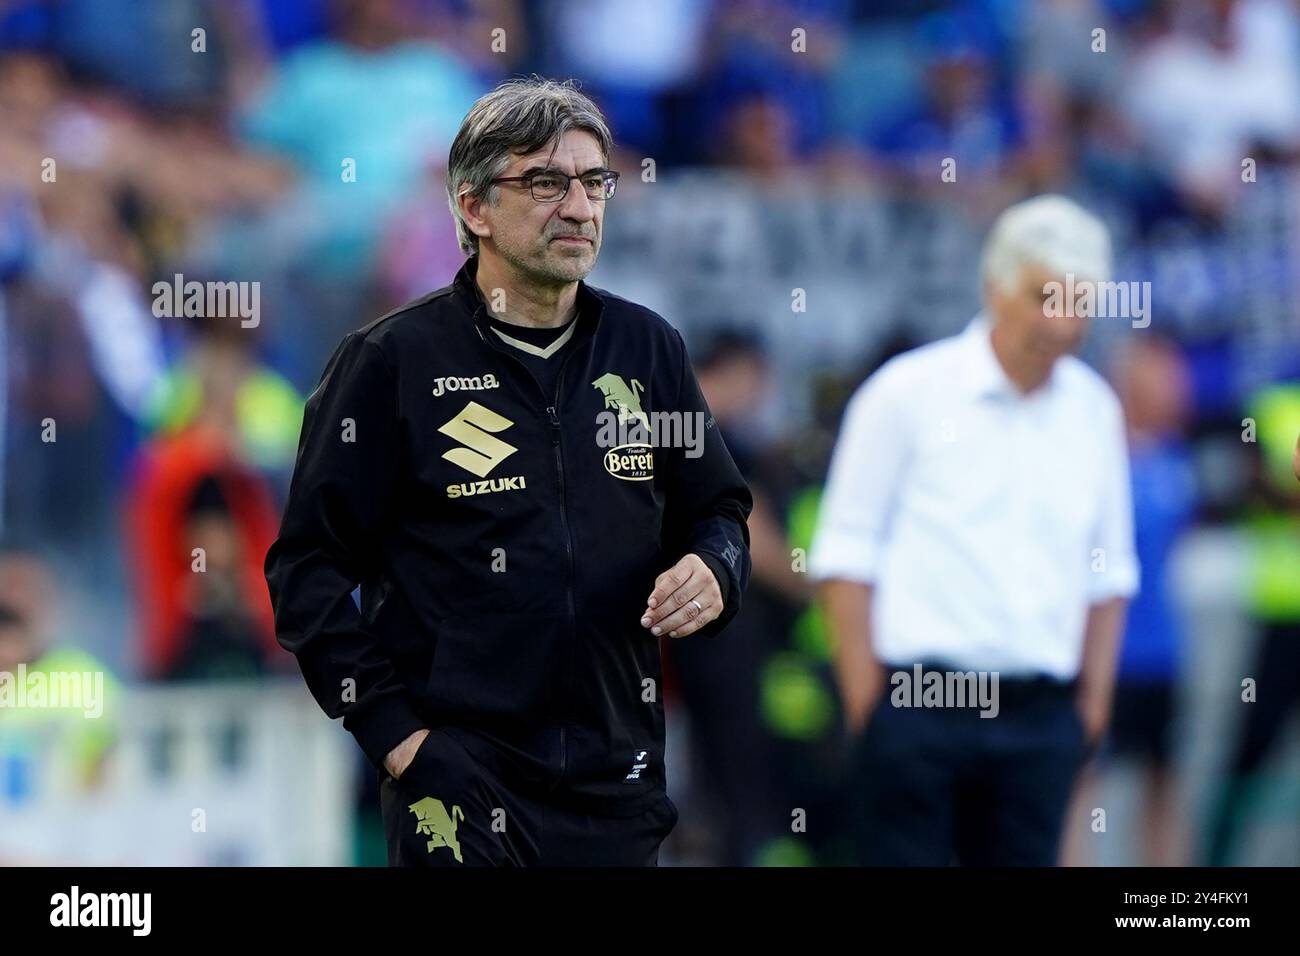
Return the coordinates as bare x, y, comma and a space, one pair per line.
504, 554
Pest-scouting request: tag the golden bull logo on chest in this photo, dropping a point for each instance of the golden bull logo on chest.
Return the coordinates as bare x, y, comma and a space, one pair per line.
434, 821
633, 460
622, 399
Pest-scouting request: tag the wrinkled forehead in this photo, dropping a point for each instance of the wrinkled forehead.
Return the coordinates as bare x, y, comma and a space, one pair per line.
575, 152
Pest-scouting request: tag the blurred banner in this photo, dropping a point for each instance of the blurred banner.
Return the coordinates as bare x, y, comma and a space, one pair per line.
201, 775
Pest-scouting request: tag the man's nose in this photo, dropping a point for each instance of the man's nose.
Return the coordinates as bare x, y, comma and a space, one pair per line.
576, 204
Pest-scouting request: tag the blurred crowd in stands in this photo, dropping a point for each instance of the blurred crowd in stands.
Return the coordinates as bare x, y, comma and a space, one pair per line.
300, 145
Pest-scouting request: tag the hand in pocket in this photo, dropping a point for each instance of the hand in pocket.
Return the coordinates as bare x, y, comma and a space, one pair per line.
401, 757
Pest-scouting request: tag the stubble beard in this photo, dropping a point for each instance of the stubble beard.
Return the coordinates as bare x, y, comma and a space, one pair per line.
548, 268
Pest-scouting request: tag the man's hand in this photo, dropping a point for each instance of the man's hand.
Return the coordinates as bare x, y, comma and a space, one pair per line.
400, 757
1094, 714
1101, 640
861, 697
861, 677
686, 598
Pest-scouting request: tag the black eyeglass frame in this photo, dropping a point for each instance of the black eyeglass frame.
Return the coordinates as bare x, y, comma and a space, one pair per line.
609, 175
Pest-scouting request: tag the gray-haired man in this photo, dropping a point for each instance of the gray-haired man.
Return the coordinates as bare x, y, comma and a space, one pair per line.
976, 548
517, 564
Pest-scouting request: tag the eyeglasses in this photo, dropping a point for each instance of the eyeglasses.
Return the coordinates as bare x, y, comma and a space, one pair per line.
551, 186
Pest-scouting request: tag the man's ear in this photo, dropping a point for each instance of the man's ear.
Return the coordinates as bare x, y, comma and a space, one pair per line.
992, 293
471, 210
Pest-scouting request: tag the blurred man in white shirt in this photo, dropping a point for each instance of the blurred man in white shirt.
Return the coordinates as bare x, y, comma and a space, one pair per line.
977, 532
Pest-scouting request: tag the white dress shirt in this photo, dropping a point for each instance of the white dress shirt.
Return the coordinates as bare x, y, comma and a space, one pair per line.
987, 520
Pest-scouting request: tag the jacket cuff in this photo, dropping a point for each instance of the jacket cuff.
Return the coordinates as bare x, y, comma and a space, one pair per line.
382, 726
720, 572
725, 584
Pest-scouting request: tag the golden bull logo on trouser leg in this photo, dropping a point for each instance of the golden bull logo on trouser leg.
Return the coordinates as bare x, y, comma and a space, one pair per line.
434, 821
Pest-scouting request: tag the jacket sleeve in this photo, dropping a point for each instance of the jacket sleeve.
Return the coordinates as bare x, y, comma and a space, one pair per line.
342, 483
708, 501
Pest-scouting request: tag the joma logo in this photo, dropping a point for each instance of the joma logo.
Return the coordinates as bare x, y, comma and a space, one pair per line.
476, 383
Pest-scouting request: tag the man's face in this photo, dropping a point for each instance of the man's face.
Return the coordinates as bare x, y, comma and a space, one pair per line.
15, 646
1152, 381
736, 388
25, 600
1027, 313
553, 242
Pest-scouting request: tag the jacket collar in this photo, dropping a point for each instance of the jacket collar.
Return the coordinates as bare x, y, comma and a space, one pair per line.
590, 304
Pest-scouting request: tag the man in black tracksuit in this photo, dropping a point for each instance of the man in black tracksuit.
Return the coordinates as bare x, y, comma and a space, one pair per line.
520, 538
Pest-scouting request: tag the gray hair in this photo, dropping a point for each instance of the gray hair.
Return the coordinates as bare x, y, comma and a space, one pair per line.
519, 117
1050, 231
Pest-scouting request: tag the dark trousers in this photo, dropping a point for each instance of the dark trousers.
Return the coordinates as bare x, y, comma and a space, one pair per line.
448, 809
731, 758
936, 786
1277, 692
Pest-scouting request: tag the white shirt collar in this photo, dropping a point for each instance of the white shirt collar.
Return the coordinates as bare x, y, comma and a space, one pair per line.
985, 375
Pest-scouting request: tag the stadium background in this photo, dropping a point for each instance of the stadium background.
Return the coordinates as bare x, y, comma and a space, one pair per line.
782, 203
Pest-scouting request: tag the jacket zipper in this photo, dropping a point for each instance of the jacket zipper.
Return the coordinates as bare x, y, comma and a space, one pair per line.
553, 417
554, 414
